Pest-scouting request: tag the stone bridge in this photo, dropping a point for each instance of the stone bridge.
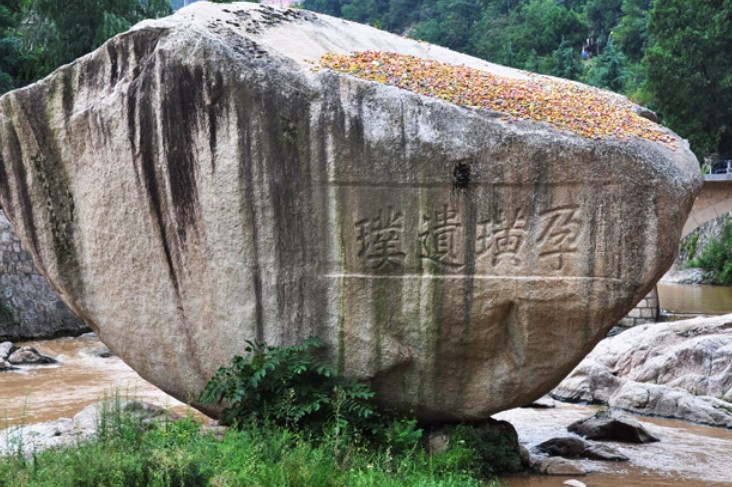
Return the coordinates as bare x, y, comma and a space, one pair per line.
714, 200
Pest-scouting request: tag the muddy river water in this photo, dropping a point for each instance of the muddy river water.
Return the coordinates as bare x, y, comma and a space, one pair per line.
688, 455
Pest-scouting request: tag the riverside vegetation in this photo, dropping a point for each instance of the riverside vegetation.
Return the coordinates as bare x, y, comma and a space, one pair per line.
293, 421
715, 257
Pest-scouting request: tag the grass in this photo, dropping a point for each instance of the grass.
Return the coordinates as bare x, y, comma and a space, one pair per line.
127, 451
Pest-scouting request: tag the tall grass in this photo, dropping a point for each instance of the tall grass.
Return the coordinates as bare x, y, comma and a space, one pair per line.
129, 451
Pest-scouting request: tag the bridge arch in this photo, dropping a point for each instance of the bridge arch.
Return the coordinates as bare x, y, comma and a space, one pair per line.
714, 201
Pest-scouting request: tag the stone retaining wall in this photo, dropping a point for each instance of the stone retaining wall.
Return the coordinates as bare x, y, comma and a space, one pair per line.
29, 308
644, 312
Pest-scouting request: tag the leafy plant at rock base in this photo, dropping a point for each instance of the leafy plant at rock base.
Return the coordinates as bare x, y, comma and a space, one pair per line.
291, 387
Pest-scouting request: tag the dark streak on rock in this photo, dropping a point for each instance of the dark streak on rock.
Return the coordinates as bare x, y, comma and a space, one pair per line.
146, 155
286, 123
180, 122
215, 92
22, 194
113, 68
142, 115
67, 92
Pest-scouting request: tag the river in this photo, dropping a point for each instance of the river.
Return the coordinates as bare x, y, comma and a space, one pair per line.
695, 298
688, 455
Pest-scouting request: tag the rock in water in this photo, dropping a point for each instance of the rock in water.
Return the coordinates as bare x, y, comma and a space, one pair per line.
200, 181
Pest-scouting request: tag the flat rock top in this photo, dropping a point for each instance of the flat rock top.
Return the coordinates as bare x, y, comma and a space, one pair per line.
304, 37
319, 41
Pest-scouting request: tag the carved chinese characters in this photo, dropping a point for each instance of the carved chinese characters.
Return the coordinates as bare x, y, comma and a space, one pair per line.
380, 239
445, 237
441, 240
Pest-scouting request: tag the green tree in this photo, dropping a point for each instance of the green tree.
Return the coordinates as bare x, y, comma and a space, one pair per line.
15, 61
602, 16
531, 32
563, 63
453, 24
609, 70
67, 30
542, 25
631, 33
689, 70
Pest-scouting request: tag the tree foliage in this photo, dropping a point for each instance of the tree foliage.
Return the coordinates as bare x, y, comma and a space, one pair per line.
670, 54
37, 36
690, 69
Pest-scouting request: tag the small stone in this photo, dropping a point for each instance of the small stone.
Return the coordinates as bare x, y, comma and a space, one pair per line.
29, 356
103, 353
574, 483
438, 441
544, 402
604, 452
560, 466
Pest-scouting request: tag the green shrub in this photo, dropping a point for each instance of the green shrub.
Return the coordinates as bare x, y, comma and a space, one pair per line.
717, 256
291, 387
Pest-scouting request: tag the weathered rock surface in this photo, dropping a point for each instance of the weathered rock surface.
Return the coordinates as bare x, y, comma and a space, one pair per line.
5, 365
195, 183
680, 370
566, 446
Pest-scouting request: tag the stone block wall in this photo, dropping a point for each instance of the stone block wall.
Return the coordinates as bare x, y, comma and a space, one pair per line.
644, 312
29, 308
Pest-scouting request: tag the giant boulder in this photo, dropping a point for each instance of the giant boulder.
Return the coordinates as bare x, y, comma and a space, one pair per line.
197, 182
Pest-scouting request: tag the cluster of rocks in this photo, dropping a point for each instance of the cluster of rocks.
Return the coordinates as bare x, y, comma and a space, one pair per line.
558, 456
10, 356
675, 370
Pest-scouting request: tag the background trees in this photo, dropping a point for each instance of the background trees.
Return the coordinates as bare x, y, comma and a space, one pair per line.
37, 36
689, 66
672, 55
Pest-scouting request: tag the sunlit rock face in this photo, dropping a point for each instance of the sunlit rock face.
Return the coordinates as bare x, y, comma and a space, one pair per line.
198, 182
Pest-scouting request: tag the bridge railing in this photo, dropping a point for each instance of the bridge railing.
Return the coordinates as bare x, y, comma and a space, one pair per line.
721, 170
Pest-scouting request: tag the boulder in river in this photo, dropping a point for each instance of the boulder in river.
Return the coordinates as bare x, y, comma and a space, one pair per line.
29, 356
613, 427
574, 447
221, 175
